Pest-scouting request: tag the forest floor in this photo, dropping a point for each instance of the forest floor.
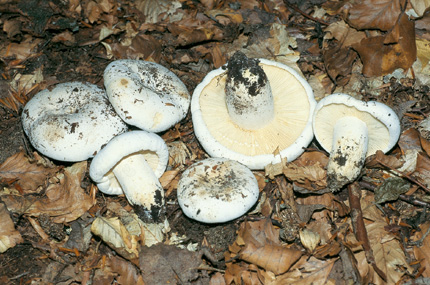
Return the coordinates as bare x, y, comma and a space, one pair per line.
299, 232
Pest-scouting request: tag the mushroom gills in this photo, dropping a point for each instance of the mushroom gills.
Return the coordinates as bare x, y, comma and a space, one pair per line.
350, 141
249, 96
141, 187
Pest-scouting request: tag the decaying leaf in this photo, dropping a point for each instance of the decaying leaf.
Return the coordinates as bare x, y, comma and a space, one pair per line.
308, 270
375, 14
117, 270
258, 243
391, 189
114, 233
64, 200
383, 54
422, 251
26, 173
164, 264
9, 237
381, 160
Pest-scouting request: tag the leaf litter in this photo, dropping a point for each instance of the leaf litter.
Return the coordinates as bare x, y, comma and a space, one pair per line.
299, 232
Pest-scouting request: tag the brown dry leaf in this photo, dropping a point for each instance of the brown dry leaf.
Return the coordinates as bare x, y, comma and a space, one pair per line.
275, 258
241, 274
217, 279
260, 245
114, 233
381, 160
339, 61
422, 252
142, 46
116, 269
346, 35
165, 264
66, 38
9, 237
28, 174
312, 177
375, 14
383, 54
225, 17
420, 6
422, 170
308, 270
22, 50
387, 250
64, 199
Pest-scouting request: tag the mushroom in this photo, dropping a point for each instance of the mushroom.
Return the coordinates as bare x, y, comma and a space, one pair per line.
251, 109
146, 94
217, 190
71, 122
351, 130
131, 163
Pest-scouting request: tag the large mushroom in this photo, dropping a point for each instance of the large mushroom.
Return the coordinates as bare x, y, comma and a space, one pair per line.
217, 190
71, 122
251, 109
131, 163
146, 94
351, 130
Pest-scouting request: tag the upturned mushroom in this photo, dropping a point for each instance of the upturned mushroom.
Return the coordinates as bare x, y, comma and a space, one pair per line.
146, 94
252, 108
217, 190
350, 130
131, 163
71, 122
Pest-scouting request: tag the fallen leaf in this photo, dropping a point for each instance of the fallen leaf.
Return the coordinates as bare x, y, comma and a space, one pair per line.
164, 264
375, 14
9, 237
420, 6
64, 199
422, 251
28, 174
391, 189
381, 56
114, 234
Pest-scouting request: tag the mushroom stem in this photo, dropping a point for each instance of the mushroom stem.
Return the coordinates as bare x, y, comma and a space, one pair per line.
141, 187
350, 141
249, 96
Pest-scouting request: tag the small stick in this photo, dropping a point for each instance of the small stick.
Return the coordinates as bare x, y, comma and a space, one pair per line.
354, 193
322, 22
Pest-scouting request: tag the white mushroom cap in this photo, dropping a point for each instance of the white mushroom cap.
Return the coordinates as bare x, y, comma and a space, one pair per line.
351, 130
131, 163
146, 94
71, 122
217, 190
289, 131
382, 122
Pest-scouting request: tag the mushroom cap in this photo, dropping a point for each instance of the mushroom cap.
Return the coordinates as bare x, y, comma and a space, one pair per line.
382, 122
217, 190
149, 144
146, 94
71, 122
289, 132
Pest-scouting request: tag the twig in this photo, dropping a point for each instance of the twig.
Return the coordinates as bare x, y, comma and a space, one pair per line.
295, 8
354, 193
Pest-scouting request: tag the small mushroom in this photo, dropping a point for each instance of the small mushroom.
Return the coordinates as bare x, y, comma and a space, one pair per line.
71, 122
146, 94
217, 190
351, 130
131, 163
252, 108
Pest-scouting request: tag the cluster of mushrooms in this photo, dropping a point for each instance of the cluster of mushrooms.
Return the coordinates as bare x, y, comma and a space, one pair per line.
246, 115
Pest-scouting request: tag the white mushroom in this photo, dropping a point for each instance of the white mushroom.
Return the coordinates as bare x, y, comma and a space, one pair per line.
71, 122
251, 110
351, 130
217, 190
146, 94
131, 163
